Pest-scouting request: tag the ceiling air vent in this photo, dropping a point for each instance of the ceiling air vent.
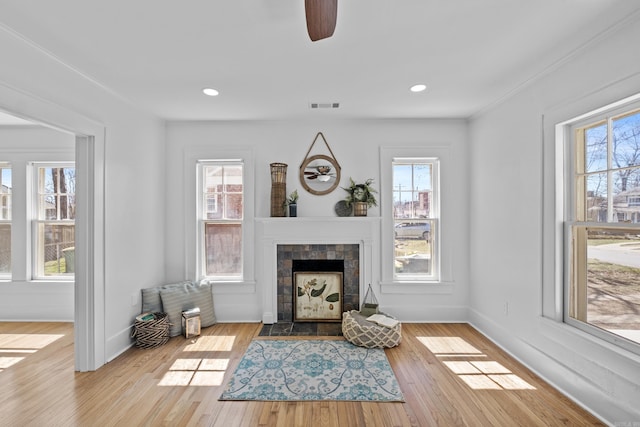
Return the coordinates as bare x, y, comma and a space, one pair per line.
315, 105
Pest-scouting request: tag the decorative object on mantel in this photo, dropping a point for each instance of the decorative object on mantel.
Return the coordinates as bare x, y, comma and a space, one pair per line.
320, 174
342, 208
361, 196
292, 202
278, 188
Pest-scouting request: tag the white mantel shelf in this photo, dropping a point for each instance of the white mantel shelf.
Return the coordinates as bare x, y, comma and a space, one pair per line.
328, 219
274, 231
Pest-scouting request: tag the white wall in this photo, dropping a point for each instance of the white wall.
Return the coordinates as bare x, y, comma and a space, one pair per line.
356, 146
512, 227
134, 192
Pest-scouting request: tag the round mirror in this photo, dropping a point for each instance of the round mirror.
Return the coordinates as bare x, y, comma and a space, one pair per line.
320, 174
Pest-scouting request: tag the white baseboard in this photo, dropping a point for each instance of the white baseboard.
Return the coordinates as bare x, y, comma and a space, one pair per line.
558, 373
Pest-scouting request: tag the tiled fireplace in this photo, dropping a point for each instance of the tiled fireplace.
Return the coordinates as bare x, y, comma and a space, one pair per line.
341, 257
282, 240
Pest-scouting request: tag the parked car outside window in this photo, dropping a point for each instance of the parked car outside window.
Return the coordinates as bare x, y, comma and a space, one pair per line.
413, 230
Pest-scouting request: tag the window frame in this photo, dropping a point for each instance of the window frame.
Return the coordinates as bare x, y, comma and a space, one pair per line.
433, 219
202, 222
37, 267
575, 223
445, 231
8, 220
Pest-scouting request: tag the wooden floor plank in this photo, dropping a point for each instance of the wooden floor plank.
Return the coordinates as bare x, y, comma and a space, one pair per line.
449, 374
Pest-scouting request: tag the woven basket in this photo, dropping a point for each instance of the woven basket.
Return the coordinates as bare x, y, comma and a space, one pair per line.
278, 189
278, 198
151, 333
357, 330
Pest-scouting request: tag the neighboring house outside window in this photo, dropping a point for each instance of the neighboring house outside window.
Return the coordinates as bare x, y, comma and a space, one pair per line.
53, 233
415, 219
221, 216
5, 220
603, 280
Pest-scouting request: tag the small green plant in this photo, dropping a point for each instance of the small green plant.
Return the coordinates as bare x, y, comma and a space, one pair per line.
361, 193
293, 198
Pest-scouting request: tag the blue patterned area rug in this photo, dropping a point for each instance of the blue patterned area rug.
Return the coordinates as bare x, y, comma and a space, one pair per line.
293, 370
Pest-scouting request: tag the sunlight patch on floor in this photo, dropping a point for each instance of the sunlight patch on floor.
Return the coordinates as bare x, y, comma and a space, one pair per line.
6, 362
463, 359
27, 341
449, 345
195, 372
13, 347
212, 343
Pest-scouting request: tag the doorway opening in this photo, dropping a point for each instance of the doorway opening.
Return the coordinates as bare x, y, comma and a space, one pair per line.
89, 340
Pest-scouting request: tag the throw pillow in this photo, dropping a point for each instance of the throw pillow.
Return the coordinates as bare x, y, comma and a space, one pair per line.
151, 301
183, 296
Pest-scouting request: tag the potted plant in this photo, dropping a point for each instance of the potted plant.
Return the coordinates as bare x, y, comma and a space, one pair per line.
361, 196
292, 202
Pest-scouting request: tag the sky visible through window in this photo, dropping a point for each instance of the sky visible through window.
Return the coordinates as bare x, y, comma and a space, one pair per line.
408, 177
5, 178
624, 154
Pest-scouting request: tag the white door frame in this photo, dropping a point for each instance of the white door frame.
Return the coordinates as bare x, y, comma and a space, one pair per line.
89, 310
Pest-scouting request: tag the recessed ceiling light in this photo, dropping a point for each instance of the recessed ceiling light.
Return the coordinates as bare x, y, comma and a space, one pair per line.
209, 91
418, 88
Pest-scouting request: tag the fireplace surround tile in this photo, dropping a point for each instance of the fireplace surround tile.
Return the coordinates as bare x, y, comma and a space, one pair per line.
286, 253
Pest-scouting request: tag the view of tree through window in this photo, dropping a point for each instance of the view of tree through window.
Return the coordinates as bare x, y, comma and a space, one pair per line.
5, 220
54, 235
605, 285
414, 217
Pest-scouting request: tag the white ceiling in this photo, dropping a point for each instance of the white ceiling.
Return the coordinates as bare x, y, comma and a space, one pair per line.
159, 54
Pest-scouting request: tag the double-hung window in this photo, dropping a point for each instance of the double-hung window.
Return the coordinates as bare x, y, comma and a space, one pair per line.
603, 281
5, 220
220, 218
53, 229
415, 219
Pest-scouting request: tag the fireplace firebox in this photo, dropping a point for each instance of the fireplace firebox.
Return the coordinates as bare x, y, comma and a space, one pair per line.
318, 290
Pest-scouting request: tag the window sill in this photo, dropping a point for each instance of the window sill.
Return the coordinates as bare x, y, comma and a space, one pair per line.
50, 281
231, 287
417, 287
574, 337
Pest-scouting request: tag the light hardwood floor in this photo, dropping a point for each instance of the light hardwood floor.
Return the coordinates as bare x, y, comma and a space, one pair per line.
450, 375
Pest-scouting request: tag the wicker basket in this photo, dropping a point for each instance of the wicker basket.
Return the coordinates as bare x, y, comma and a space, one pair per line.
151, 333
357, 330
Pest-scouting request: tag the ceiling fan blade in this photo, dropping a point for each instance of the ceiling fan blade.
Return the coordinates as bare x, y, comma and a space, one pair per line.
321, 18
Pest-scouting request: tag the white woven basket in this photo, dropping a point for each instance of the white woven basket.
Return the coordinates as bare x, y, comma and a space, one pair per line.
357, 330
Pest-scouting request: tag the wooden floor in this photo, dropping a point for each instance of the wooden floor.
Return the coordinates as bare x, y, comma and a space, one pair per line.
450, 375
